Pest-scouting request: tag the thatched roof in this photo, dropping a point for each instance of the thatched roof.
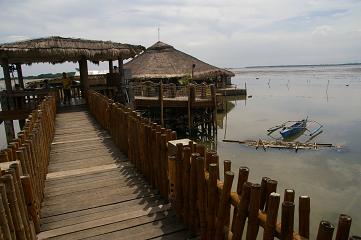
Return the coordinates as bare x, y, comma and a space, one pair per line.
59, 49
164, 61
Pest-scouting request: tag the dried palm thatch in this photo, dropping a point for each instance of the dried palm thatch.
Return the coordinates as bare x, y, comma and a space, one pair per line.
59, 49
164, 61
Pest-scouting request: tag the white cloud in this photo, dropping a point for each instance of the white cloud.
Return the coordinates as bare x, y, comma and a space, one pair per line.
225, 33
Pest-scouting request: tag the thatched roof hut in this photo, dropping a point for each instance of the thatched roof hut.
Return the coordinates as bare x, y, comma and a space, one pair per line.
162, 61
59, 49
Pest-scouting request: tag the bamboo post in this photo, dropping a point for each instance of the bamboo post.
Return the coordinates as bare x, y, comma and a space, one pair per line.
271, 187
164, 164
3, 221
264, 192
223, 203
304, 216
30, 202
193, 216
201, 194
14, 207
7, 210
287, 219
186, 183
343, 228
227, 165
325, 231
289, 195
212, 196
208, 158
172, 180
14, 172
253, 223
272, 212
179, 178
242, 212
243, 173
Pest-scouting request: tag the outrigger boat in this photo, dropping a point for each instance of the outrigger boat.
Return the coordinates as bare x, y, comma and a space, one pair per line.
294, 129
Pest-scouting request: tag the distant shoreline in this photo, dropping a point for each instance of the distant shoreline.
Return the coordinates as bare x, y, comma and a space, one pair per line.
301, 65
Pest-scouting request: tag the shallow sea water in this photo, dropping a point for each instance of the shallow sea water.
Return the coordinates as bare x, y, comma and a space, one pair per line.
331, 177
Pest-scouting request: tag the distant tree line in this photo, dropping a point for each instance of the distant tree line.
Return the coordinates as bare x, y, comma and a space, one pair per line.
47, 75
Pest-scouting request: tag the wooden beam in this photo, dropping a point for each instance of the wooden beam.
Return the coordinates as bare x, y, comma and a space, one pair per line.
83, 67
14, 114
6, 71
121, 71
110, 66
20, 75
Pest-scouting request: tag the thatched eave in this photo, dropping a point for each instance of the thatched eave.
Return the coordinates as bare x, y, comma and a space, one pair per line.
164, 61
58, 50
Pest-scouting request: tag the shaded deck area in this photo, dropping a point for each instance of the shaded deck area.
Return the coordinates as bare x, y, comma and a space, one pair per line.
92, 191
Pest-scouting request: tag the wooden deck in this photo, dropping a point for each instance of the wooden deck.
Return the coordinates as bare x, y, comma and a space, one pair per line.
93, 192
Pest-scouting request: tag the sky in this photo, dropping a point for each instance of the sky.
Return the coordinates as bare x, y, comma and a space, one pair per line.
228, 33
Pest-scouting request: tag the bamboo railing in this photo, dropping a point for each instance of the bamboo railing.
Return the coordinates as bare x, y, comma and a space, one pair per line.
23, 170
189, 178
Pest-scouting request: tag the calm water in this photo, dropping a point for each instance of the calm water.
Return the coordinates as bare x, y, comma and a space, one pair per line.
332, 178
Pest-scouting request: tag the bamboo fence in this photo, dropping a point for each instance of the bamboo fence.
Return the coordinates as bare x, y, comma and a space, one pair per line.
189, 178
23, 171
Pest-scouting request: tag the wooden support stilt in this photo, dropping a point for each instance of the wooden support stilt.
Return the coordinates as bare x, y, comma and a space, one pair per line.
20, 75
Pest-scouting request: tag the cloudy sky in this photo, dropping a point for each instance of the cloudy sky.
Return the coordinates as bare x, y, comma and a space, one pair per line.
228, 33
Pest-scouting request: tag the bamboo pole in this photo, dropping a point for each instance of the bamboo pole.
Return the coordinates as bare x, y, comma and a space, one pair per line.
325, 231
7, 179
271, 187
242, 212
287, 219
193, 215
289, 195
186, 183
222, 207
201, 194
343, 228
272, 212
212, 195
264, 192
7, 210
243, 173
4, 222
253, 222
304, 216
30, 202
179, 179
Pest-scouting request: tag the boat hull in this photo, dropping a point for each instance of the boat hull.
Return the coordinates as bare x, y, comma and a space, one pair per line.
295, 129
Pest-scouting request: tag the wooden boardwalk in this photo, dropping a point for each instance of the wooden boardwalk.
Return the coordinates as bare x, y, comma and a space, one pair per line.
93, 192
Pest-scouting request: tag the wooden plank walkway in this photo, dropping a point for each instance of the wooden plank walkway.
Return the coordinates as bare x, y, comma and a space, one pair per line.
93, 192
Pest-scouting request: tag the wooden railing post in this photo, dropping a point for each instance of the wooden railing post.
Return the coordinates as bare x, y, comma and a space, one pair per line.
287, 220
325, 231
343, 228
253, 223
304, 216
222, 208
272, 213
